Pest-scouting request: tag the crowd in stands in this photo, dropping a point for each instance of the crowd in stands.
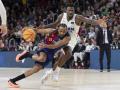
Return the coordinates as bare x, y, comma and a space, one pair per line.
21, 13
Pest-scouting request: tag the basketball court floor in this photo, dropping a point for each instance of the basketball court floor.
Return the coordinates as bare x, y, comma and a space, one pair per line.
70, 79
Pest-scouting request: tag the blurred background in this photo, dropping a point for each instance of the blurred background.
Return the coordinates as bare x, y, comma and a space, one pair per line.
21, 13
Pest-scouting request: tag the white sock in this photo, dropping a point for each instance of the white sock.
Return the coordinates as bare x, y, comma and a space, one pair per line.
50, 71
58, 69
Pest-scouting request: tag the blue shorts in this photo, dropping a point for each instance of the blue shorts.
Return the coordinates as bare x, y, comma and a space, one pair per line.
50, 56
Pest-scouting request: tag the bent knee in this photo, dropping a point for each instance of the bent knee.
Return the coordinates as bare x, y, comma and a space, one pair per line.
40, 58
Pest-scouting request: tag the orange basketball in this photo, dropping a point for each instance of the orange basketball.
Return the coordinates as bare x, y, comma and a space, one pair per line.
28, 34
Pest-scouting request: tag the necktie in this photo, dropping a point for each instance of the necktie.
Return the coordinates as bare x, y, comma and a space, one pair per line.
103, 37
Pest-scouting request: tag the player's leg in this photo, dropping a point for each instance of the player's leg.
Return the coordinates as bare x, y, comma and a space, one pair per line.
39, 65
61, 61
63, 57
40, 56
35, 69
50, 56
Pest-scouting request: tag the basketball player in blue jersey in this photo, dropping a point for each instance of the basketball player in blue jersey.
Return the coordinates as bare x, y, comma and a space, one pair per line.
3, 26
71, 20
45, 54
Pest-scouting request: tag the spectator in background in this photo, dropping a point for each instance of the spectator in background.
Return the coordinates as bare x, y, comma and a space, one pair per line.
118, 37
90, 45
78, 11
78, 54
84, 54
115, 39
82, 29
91, 34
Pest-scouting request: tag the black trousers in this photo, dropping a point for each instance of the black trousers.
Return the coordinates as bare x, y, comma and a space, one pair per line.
86, 60
119, 45
107, 49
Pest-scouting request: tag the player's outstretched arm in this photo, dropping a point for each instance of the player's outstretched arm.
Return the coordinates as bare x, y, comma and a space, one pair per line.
45, 31
80, 18
54, 24
56, 45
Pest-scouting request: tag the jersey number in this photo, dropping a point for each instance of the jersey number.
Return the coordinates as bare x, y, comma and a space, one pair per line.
70, 29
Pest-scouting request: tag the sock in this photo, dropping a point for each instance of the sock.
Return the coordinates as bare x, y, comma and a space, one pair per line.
49, 71
28, 54
22, 76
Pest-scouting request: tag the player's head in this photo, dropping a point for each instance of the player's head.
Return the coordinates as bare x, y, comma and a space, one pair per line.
70, 10
62, 29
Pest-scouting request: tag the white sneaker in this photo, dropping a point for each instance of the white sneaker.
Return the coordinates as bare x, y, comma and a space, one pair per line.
46, 76
55, 76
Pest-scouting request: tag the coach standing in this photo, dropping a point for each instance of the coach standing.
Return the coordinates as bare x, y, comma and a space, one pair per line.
103, 40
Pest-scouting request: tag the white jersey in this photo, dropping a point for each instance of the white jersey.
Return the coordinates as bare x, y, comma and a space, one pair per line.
3, 13
72, 29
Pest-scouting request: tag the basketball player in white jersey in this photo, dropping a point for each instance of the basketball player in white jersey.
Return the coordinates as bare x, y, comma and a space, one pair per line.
3, 27
71, 20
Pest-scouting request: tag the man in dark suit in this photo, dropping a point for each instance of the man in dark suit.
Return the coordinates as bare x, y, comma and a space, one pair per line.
104, 39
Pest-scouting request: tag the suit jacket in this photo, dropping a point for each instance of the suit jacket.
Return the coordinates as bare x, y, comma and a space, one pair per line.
99, 37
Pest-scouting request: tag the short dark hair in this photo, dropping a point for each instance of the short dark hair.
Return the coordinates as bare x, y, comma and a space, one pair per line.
62, 25
69, 5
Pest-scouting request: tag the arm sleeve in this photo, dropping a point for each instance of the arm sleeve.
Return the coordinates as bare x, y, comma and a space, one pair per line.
3, 13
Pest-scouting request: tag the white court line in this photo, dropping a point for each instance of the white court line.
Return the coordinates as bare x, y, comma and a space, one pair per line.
4, 78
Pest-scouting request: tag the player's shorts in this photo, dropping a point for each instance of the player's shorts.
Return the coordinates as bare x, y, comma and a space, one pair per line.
50, 56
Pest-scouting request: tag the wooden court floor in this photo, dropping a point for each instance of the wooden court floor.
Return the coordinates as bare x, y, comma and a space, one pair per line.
70, 79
